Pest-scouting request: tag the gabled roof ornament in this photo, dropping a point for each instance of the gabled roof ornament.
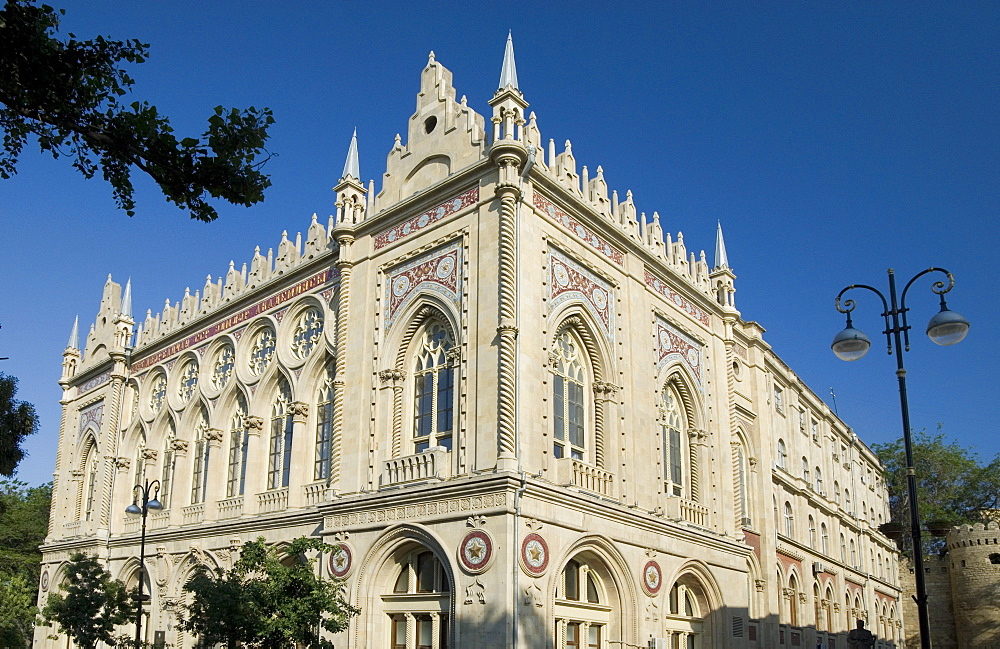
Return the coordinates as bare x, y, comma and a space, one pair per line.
508, 73
721, 260
351, 166
126, 308
74, 335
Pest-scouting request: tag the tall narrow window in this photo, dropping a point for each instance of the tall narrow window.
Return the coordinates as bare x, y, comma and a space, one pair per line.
812, 532
788, 519
782, 454
672, 441
169, 463
434, 389
139, 477
324, 428
568, 380
239, 443
742, 496
199, 474
280, 444
90, 475
824, 538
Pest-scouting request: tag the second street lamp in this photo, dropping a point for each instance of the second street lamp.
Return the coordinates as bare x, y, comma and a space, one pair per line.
945, 328
142, 495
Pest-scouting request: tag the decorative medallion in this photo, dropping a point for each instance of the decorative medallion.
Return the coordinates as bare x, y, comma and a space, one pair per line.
652, 578
437, 272
581, 231
341, 561
673, 344
475, 552
569, 280
534, 555
45, 581
431, 216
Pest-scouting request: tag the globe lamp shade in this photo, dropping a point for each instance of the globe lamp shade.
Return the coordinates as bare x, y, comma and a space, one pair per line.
154, 504
850, 344
947, 327
133, 510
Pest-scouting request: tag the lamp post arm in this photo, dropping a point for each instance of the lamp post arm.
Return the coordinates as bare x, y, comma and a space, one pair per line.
848, 306
938, 287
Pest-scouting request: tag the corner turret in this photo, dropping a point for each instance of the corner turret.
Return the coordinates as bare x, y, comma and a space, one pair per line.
71, 355
722, 278
351, 205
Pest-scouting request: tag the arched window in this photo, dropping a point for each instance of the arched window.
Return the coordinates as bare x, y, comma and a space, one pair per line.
805, 469
843, 549
792, 597
582, 607
819, 482
673, 443
90, 478
685, 613
169, 464
812, 532
847, 501
434, 388
420, 600
824, 539
139, 470
279, 453
199, 472
324, 427
836, 492
568, 413
782, 454
788, 519
854, 555
239, 444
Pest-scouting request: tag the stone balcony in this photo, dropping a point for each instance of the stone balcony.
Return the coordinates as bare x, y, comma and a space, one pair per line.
193, 514
274, 500
314, 493
574, 473
687, 510
231, 507
432, 464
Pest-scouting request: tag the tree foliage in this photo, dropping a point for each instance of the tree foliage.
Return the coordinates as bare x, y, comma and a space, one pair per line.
70, 95
270, 599
953, 485
24, 516
17, 420
90, 605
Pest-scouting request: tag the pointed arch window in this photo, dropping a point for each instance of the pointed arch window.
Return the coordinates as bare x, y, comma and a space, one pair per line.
169, 464
199, 473
788, 519
582, 612
568, 414
419, 602
824, 539
139, 470
685, 614
324, 427
434, 388
239, 444
812, 532
90, 474
672, 440
782, 454
280, 444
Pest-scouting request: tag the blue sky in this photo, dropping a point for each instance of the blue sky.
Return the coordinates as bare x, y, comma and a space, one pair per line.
833, 140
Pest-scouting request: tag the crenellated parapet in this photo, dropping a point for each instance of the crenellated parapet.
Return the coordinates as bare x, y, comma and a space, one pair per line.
216, 294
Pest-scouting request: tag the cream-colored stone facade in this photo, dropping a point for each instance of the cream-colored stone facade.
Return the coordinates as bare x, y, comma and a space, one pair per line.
528, 417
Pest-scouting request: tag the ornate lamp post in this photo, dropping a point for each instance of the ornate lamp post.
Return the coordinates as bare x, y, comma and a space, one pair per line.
945, 328
142, 494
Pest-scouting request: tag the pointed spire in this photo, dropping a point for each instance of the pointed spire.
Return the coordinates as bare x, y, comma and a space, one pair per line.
74, 335
126, 309
351, 167
508, 73
721, 260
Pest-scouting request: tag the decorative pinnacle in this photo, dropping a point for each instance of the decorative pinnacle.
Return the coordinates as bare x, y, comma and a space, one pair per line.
74, 335
126, 309
351, 167
721, 260
508, 73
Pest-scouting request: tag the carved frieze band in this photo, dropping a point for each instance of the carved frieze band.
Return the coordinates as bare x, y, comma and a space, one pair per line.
568, 280
416, 512
581, 231
431, 216
438, 272
676, 298
674, 345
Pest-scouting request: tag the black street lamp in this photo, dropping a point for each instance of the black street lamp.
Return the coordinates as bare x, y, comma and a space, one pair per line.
141, 492
945, 328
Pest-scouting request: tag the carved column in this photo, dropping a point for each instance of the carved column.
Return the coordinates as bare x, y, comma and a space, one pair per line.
411, 630
253, 483
345, 265
215, 483
604, 393
109, 431
393, 378
299, 475
509, 194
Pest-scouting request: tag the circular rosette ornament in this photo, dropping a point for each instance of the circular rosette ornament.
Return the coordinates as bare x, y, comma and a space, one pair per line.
652, 578
341, 561
475, 552
534, 555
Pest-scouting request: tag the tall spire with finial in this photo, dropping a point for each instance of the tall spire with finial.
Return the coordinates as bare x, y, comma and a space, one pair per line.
126, 308
351, 167
721, 260
508, 73
74, 335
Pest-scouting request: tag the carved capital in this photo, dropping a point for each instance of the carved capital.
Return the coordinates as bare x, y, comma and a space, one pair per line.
604, 391
453, 356
759, 585
506, 330
299, 410
179, 446
122, 463
802, 597
148, 454
213, 436
476, 521
254, 425
76, 474
392, 376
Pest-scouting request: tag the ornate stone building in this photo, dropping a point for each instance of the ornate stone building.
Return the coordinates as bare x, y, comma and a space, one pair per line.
528, 417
